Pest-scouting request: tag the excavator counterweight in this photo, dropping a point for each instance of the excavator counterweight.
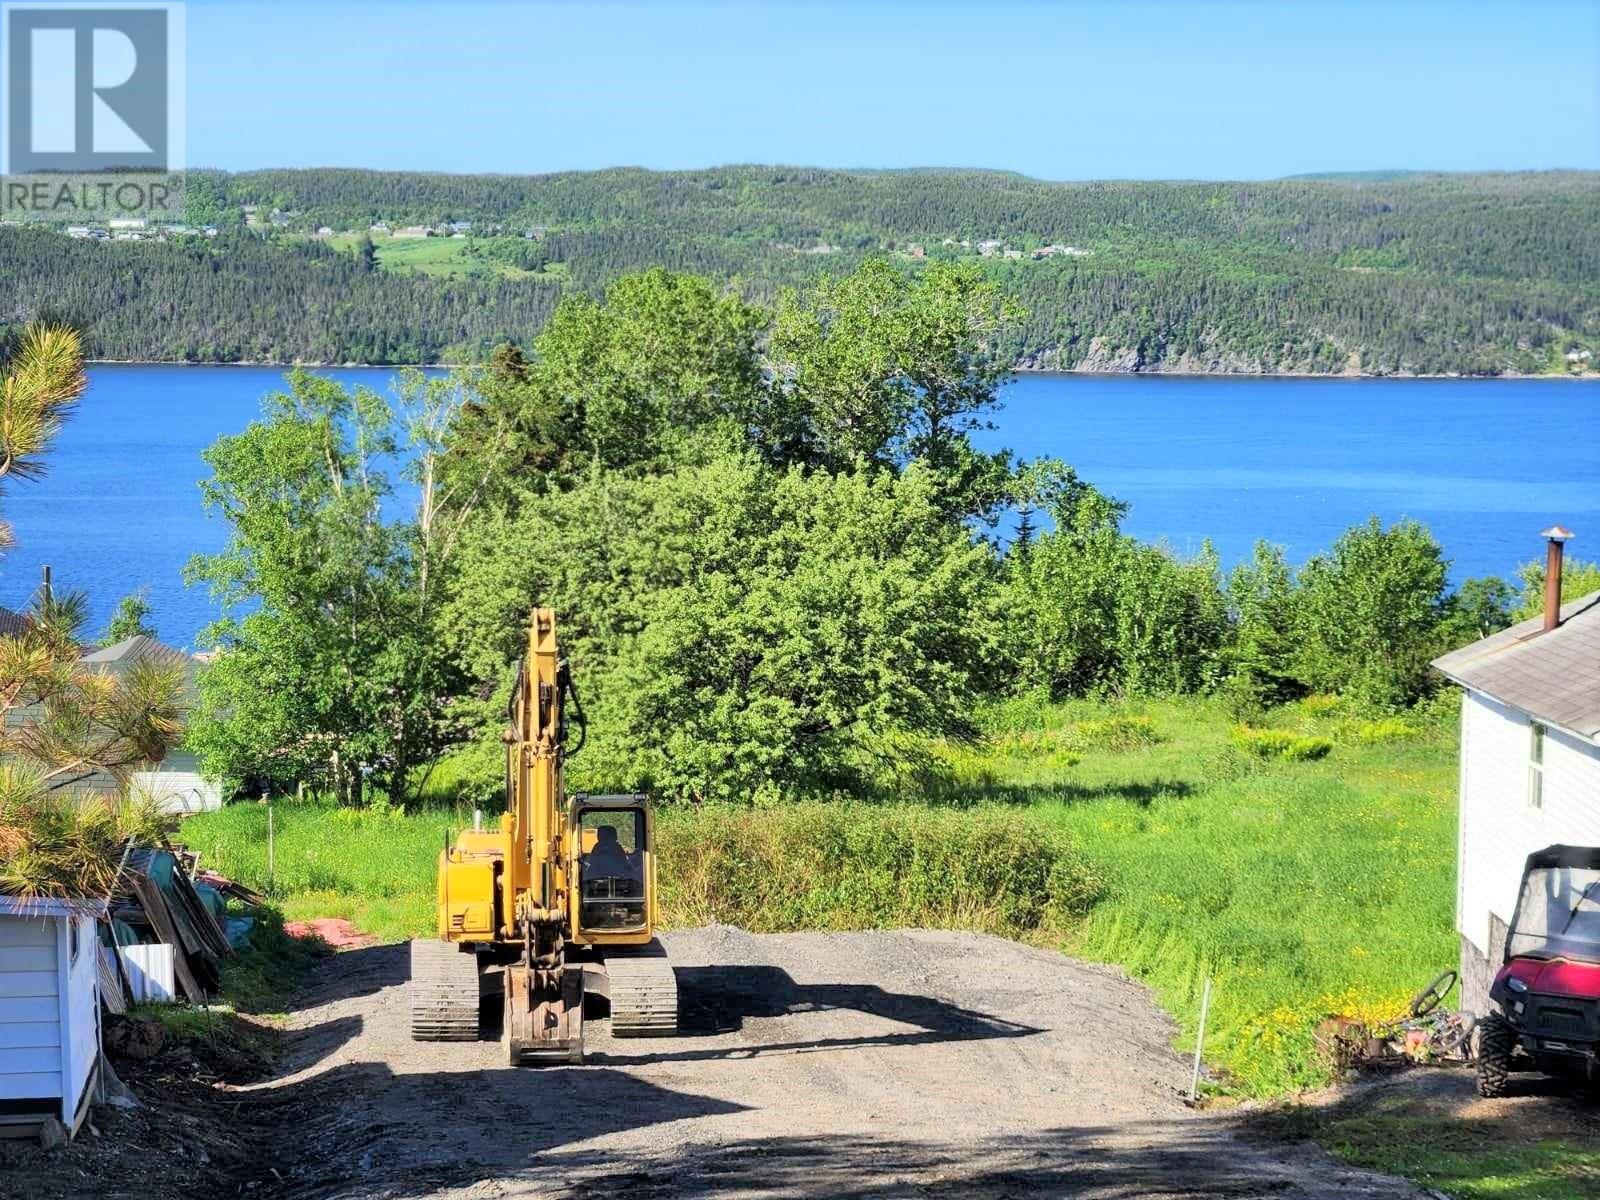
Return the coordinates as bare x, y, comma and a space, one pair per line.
562, 882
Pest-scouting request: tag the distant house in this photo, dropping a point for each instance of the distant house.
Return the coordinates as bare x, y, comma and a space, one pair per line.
175, 783
127, 223
82, 231
1530, 766
324, 231
1053, 249
990, 247
12, 624
378, 227
1013, 254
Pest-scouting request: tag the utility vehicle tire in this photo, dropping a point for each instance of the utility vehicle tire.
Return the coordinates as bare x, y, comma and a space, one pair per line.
1496, 1041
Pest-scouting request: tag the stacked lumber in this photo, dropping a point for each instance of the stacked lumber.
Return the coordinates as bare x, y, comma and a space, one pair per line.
156, 897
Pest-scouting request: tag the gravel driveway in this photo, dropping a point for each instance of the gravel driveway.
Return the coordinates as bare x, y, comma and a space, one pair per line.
827, 1065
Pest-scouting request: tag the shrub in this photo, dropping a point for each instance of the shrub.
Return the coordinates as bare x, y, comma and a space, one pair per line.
858, 866
1321, 705
1114, 733
735, 629
1281, 743
1373, 733
1371, 614
1093, 610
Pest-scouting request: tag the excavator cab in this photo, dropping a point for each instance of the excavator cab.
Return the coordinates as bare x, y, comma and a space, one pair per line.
616, 865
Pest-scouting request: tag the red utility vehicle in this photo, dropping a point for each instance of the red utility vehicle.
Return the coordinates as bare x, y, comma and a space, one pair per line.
1547, 995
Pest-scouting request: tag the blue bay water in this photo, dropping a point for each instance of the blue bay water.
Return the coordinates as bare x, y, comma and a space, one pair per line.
1485, 464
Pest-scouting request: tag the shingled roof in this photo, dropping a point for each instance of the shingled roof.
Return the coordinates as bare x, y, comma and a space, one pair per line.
1553, 676
12, 624
120, 656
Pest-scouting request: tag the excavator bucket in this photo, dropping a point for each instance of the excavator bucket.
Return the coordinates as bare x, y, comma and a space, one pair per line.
544, 1030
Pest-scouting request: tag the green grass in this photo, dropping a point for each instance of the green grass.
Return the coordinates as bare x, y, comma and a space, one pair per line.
444, 257
372, 867
1304, 888
1463, 1157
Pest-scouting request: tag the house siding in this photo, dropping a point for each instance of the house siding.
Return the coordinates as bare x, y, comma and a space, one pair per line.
177, 785
1499, 828
80, 1012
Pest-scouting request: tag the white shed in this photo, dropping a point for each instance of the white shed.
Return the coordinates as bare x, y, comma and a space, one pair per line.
1530, 767
49, 1010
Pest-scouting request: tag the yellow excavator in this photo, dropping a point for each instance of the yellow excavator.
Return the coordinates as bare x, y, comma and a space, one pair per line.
564, 884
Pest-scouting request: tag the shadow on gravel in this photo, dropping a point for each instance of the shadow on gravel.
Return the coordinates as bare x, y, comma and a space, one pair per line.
718, 1000
1151, 1159
360, 1129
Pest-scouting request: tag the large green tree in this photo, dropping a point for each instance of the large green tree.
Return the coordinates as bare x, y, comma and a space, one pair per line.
736, 627
327, 670
1371, 613
882, 367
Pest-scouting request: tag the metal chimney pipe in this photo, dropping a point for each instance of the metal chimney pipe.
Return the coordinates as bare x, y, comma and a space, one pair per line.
1555, 539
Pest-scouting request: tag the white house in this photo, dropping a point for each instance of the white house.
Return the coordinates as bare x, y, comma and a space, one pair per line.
175, 782
1530, 766
49, 1010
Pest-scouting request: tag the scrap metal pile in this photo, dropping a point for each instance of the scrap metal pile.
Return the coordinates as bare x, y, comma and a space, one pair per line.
1428, 1033
162, 901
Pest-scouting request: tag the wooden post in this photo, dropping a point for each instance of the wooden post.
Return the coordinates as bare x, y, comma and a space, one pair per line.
1200, 1041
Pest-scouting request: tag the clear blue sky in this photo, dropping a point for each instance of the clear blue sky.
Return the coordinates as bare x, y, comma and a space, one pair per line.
1059, 91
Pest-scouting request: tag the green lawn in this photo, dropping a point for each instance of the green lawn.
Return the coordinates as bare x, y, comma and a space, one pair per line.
444, 257
1303, 888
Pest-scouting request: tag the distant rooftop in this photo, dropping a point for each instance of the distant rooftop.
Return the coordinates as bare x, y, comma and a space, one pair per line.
123, 655
1554, 677
12, 624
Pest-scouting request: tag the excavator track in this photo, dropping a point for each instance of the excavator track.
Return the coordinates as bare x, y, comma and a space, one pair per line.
643, 991
444, 993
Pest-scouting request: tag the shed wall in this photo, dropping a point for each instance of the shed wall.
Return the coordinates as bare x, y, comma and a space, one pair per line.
30, 1009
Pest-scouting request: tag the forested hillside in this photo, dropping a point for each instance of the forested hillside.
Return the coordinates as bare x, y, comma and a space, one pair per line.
1410, 274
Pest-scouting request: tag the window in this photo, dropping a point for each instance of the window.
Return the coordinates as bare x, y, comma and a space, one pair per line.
611, 868
72, 939
1536, 767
